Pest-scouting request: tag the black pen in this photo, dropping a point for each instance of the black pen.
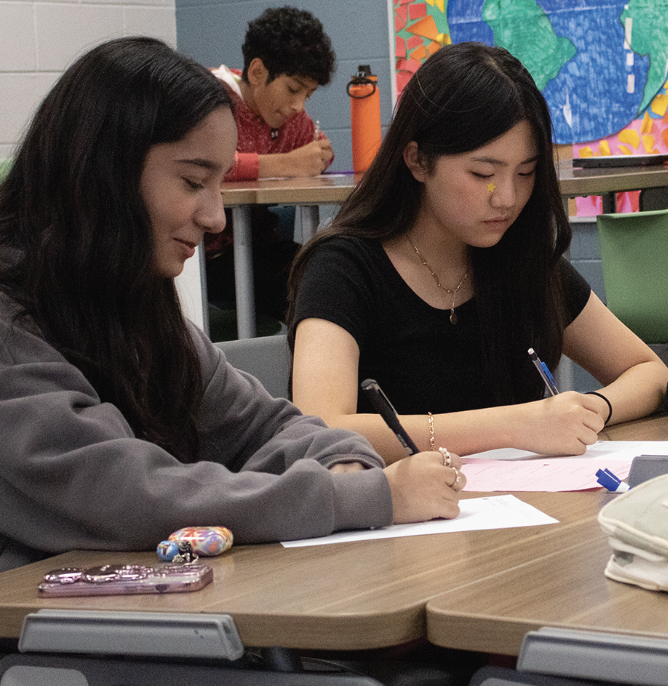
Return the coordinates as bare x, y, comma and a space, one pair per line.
384, 407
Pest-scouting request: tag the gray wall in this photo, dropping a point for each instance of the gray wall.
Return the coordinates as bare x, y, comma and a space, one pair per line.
212, 31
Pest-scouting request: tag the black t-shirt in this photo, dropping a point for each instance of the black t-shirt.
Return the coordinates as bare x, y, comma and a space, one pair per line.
422, 361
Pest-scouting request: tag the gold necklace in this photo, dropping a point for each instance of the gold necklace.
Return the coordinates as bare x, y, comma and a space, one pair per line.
453, 316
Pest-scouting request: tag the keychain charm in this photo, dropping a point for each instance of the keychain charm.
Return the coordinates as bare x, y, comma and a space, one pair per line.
186, 554
207, 541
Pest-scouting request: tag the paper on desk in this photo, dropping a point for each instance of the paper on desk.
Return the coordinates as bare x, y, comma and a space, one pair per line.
545, 474
614, 450
519, 470
476, 514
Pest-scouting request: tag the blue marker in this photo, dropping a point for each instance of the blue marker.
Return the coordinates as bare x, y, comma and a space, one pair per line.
544, 372
608, 480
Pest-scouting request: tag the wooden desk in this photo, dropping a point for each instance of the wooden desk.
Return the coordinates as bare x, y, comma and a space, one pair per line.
323, 190
448, 587
335, 188
338, 597
574, 182
564, 589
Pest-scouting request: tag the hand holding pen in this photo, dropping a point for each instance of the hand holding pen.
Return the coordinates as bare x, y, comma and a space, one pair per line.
416, 482
386, 410
567, 427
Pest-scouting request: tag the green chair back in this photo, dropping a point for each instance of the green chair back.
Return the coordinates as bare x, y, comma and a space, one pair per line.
4, 168
634, 258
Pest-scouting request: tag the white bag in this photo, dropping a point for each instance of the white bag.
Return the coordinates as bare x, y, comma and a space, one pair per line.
637, 525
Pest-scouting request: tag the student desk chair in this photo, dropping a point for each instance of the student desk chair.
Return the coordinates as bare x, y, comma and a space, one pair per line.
561, 657
634, 259
266, 358
76, 670
107, 648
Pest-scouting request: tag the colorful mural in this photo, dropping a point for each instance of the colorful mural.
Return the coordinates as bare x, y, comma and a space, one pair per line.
602, 65
420, 28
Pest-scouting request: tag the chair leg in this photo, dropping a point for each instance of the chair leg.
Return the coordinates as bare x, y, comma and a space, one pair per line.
282, 660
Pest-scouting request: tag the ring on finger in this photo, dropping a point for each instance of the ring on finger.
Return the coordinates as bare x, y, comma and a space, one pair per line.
447, 458
458, 479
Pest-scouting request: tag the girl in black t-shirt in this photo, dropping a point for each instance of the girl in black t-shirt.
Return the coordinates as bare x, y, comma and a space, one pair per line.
446, 265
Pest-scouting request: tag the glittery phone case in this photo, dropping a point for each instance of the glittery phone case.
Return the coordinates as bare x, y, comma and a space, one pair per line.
125, 580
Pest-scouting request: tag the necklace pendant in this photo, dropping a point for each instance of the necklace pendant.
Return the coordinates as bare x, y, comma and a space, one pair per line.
453, 317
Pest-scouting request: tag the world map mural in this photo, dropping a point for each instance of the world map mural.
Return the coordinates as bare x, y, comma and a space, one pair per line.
602, 65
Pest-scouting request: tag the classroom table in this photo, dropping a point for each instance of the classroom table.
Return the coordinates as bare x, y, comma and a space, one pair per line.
565, 589
359, 595
608, 181
346, 596
308, 193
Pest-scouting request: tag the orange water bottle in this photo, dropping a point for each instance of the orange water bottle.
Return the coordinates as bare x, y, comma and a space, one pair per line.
364, 117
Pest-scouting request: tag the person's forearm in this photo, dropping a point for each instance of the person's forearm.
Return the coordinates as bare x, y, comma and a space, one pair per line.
461, 432
308, 160
563, 425
245, 167
276, 164
637, 392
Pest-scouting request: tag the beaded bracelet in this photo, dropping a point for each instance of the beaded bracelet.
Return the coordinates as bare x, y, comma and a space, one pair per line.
600, 395
432, 440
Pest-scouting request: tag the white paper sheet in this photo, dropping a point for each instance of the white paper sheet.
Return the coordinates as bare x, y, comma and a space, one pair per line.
476, 514
615, 450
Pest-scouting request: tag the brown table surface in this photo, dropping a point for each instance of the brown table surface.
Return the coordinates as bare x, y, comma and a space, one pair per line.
345, 596
565, 588
325, 189
335, 188
596, 181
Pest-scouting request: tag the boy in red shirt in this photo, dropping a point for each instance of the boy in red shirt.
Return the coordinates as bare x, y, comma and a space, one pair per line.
287, 55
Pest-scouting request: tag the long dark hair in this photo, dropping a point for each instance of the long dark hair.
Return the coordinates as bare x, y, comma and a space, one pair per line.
461, 98
71, 210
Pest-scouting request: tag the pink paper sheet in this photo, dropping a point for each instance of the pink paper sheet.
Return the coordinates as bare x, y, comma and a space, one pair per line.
539, 474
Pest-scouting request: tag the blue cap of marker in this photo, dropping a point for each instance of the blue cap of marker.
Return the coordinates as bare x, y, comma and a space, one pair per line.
608, 480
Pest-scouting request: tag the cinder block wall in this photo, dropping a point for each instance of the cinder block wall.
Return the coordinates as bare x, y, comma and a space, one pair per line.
39, 39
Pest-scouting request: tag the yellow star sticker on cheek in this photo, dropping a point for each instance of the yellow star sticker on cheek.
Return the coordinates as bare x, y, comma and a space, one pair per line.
491, 187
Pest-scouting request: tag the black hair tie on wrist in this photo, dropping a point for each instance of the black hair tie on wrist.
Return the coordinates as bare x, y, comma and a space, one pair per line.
600, 395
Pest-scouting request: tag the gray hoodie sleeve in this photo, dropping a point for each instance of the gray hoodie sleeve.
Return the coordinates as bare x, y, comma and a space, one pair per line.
72, 474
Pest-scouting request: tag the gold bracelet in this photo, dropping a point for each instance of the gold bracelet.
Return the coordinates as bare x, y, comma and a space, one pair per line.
432, 440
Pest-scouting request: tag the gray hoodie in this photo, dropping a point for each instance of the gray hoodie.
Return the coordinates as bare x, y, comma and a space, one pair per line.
74, 476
